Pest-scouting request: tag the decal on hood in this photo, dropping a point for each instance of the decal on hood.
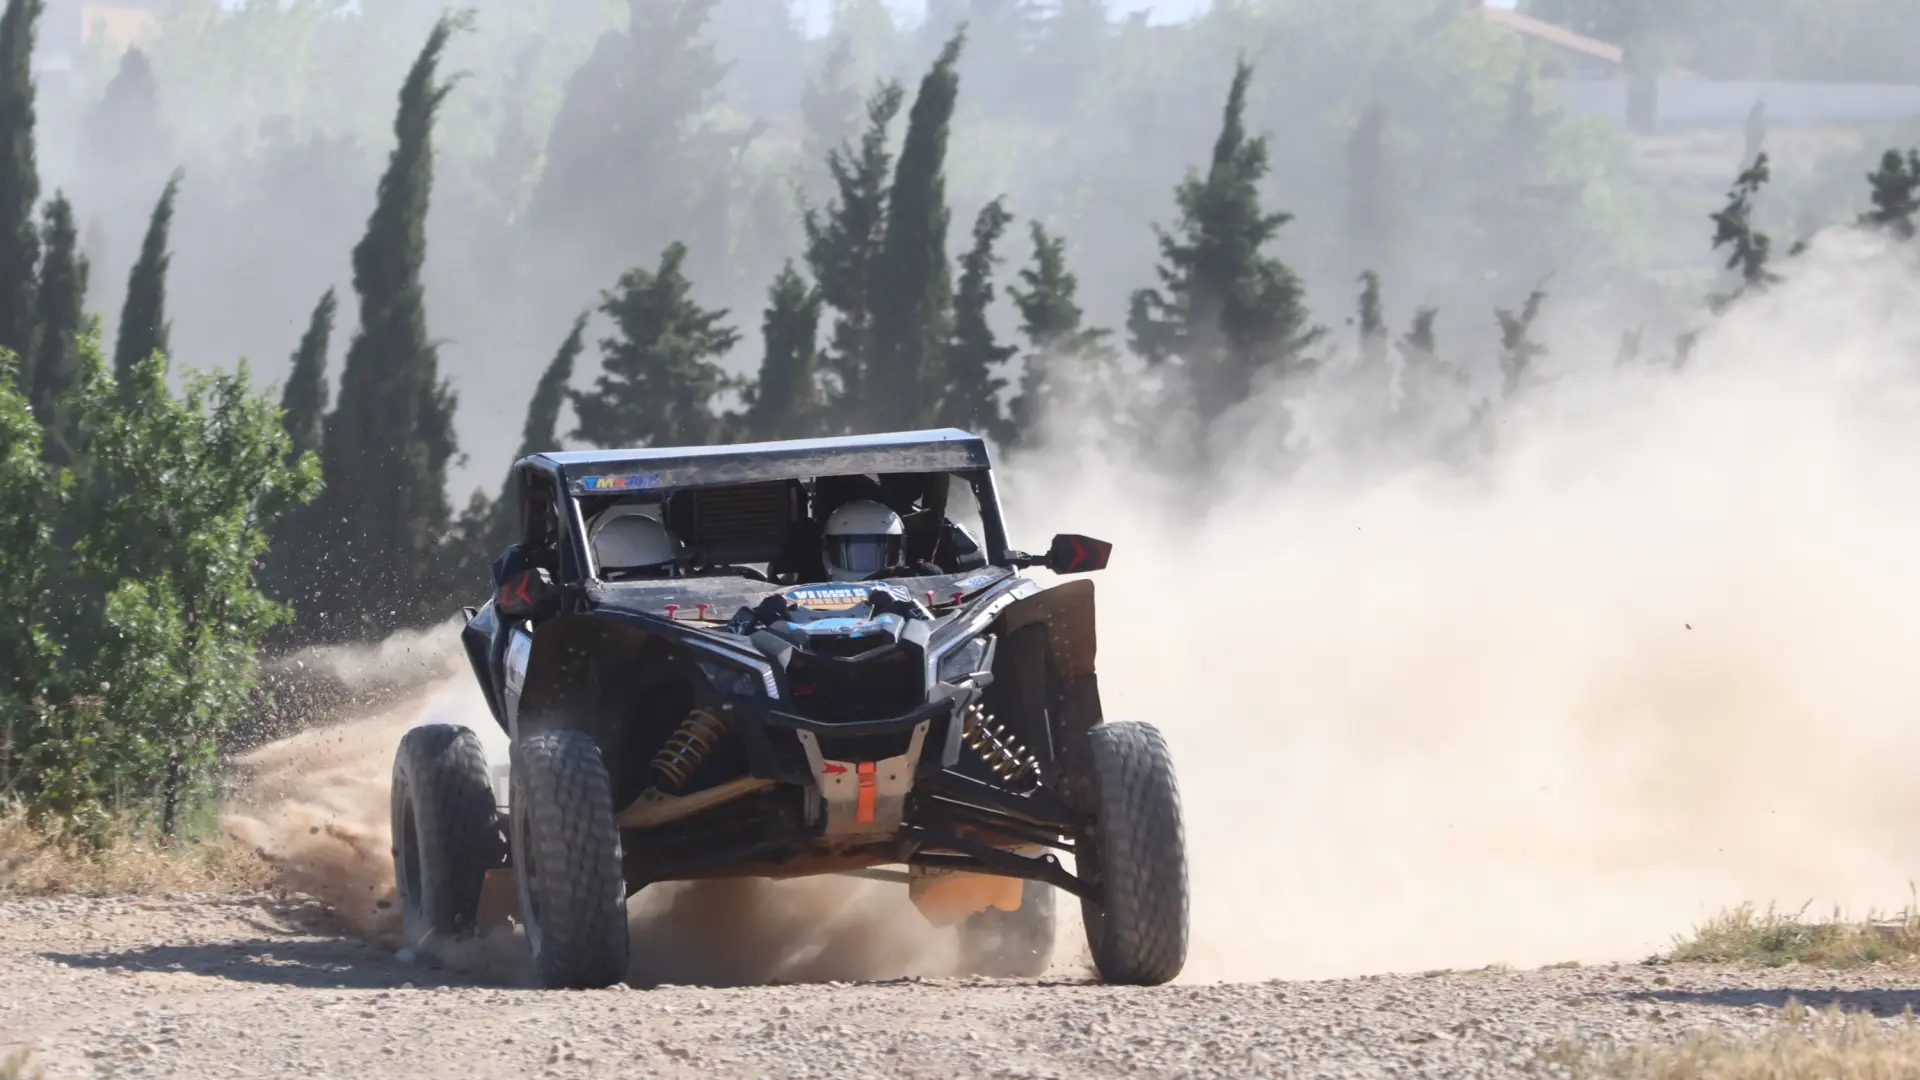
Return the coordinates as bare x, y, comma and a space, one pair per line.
839, 596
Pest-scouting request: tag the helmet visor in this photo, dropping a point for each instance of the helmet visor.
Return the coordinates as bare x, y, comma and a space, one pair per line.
864, 553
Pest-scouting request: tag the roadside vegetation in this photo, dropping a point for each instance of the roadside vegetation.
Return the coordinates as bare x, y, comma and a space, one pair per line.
1772, 938
1803, 1045
123, 857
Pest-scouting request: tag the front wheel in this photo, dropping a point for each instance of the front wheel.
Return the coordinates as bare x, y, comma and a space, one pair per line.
566, 857
446, 832
1136, 853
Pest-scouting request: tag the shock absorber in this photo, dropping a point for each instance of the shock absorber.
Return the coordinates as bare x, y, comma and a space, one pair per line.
1003, 754
687, 747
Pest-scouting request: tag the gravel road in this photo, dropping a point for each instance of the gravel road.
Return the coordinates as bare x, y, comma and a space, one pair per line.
218, 987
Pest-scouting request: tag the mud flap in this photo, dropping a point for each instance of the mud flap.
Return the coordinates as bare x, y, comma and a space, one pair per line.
946, 897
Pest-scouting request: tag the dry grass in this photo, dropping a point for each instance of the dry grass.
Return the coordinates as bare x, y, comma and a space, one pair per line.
1773, 939
34, 863
1803, 1045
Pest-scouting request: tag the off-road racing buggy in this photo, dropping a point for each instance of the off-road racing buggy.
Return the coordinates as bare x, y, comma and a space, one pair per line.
728, 709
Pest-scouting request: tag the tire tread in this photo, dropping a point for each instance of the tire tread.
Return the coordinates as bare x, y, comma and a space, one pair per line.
442, 768
576, 848
1141, 938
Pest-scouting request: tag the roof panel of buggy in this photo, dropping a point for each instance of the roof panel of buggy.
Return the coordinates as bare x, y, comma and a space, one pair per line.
601, 472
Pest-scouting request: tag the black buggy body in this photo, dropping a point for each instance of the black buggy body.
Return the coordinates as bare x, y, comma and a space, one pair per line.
740, 714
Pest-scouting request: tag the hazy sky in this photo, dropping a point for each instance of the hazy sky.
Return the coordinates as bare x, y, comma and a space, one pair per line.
1162, 11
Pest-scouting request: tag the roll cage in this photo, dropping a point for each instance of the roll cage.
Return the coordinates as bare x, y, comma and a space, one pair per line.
755, 503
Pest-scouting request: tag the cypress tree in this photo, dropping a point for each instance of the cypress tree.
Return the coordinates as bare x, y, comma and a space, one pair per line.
143, 318
829, 113
1373, 319
541, 432
1427, 383
387, 442
1224, 313
1756, 131
303, 403
1370, 206
784, 402
1629, 352
912, 290
1420, 340
292, 575
1059, 348
659, 375
516, 153
971, 391
843, 250
1519, 352
1749, 249
1047, 297
126, 128
1896, 194
489, 525
63, 297
19, 178
632, 161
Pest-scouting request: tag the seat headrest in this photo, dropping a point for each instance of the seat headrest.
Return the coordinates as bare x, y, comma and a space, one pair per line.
631, 538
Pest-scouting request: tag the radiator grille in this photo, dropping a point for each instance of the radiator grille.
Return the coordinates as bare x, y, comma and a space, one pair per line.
831, 690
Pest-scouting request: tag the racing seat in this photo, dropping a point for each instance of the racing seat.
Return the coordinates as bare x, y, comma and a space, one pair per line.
629, 540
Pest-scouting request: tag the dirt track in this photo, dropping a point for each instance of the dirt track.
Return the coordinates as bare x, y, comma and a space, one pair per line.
211, 988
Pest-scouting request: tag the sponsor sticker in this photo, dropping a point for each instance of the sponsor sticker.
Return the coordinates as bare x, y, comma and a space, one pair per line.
839, 596
968, 584
628, 482
829, 597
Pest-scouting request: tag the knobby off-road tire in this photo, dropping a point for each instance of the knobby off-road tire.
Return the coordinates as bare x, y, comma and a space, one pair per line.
566, 858
1138, 851
1014, 944
446, 831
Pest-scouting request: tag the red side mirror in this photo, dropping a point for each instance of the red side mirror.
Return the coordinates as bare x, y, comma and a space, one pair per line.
1073, 554
526, 594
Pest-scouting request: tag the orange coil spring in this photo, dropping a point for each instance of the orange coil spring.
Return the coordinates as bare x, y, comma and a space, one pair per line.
1006, 757
687, 747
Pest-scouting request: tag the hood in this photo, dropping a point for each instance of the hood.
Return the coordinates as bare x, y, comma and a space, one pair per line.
734, 604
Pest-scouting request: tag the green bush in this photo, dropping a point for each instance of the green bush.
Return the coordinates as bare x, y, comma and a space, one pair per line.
118, 698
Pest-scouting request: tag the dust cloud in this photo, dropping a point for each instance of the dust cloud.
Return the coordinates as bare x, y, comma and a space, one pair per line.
1647, 658
1652, 656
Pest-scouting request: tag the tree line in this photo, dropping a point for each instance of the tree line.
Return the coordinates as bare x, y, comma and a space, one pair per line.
1381, 135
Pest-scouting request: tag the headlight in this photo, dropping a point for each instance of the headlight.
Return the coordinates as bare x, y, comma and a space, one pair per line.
963, 661
727, 680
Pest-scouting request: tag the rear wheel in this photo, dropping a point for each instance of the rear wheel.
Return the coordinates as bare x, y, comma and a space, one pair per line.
566, 856
1015, 944
446, 831
1136, 854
